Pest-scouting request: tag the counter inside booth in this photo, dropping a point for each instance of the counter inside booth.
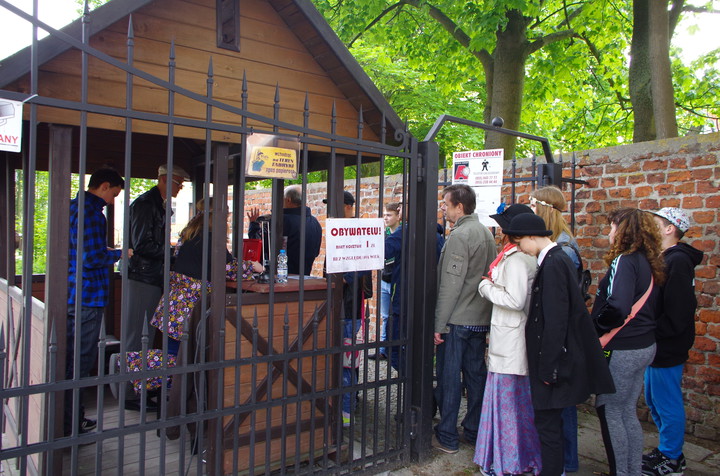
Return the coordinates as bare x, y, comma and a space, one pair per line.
280, 358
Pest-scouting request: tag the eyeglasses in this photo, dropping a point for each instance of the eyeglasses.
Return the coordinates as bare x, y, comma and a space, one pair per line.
178, 183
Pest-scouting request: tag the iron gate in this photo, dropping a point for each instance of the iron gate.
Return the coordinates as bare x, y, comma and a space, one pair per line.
261, 376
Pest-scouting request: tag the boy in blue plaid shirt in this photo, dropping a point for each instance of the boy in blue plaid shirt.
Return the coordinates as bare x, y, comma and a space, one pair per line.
104, 186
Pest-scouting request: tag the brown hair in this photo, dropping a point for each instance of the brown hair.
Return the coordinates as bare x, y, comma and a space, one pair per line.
393, 207
461, 193
549, 206
636, 231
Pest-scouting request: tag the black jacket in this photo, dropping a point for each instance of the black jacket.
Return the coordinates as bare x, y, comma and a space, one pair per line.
624, 284
675, 332
147, 238
190, 257
291, 229
562, 346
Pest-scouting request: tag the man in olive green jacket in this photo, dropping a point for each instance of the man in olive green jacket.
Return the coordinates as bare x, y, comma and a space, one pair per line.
462, 318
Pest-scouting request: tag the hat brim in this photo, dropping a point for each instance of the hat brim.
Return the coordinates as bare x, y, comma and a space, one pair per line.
502, 221
527, 232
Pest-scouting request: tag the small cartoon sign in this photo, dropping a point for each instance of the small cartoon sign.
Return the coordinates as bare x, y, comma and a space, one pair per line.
10, 125
272, 156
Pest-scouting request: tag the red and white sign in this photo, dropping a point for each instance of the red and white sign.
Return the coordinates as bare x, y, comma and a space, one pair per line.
354, 244
10, 125
483, 171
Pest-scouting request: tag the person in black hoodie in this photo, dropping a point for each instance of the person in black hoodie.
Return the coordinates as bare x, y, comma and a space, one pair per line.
675, 334
624, 315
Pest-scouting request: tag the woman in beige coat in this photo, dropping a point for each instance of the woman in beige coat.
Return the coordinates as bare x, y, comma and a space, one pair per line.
507, 440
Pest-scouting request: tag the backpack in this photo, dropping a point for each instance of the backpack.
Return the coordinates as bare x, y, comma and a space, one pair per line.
583, 275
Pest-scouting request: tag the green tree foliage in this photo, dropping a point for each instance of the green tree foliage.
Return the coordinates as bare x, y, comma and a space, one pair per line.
575, 85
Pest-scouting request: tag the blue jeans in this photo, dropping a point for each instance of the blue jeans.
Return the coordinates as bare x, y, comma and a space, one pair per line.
385, 298
90, 320
570, 444
663, 395
349, 374
463, 352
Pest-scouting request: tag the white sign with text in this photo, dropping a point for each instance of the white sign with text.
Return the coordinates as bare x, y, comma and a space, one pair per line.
354, 244
10, 125
483, 171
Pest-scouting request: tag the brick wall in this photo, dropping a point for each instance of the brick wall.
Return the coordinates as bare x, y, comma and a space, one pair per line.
682, 172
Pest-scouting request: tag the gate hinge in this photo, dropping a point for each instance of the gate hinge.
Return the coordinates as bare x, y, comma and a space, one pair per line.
420, 169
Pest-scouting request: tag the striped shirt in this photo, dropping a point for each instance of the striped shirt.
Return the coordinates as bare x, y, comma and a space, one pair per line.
96, 257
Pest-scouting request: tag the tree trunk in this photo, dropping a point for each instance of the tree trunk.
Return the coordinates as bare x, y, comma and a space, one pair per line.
505, 84
639, 75
660, 72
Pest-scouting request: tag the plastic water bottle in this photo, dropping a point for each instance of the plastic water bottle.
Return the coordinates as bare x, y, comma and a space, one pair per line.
282, 269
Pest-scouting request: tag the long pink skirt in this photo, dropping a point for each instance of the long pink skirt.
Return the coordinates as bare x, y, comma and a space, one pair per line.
507, 441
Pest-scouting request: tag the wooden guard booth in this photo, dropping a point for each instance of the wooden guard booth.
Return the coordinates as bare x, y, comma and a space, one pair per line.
153, 71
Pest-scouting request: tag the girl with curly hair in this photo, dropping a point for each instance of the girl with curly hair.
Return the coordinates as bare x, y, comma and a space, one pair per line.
624, 317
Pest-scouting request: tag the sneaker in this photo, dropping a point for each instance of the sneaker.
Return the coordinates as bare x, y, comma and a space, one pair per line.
663, 466
652, 456
445, 449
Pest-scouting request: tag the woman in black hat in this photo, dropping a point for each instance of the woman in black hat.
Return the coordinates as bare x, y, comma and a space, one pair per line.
565, 361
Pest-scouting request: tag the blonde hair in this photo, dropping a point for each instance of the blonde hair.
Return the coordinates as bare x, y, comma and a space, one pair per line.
194, 226
549, 205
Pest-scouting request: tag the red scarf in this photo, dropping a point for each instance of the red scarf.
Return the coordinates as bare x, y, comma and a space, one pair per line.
506, 248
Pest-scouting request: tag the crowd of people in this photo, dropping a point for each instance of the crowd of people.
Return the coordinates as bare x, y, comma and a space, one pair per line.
512, 328
546, 353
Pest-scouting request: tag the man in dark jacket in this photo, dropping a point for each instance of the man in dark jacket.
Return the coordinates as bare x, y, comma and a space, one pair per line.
147, 239
292, 210
675, 334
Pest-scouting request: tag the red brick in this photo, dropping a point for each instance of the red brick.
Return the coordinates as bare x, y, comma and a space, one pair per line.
664, 189
705, 343
592, 207
636, 178
685, 188
706, 187
714, 360
707, 272
678, 163
679, 176
591, 171
700, 328
643, 191
709, 316
599, 194
713, 202
704, 300
692, 202
704, 245
708, 159
709, 374
620, 193
696, 357
607, 182
622, 181
654, 165
711, 287
701, 174
713, 330
704, 217
656, 178
649, 204
622, 169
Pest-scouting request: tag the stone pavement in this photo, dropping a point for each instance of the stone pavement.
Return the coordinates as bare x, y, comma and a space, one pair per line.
703, 456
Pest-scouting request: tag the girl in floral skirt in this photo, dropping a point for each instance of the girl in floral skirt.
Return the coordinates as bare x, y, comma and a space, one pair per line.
507, 441
186, 278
